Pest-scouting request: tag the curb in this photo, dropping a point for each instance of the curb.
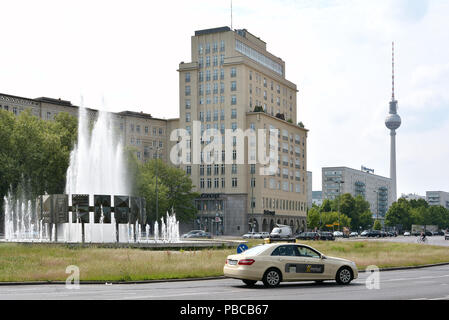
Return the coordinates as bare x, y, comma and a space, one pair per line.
191, 279
410, 267
30, 283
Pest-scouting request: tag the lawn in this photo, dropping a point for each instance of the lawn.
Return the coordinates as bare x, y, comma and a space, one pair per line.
21, 262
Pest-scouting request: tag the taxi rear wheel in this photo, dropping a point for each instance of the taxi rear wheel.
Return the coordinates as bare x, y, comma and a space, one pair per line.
344, 276
272, 278
249, 283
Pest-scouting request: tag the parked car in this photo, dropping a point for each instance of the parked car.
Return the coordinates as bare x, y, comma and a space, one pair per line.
197, 234
374, 234
438, 233
308, 236
249, 235
446, 235
428, 233
364, 233
338, 234
407, 234
281, 231
353, 234
262, 235
326, 236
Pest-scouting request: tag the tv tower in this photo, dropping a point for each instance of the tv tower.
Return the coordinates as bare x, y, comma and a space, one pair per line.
393, 122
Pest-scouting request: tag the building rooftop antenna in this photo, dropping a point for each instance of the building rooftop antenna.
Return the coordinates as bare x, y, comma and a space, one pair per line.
231, 14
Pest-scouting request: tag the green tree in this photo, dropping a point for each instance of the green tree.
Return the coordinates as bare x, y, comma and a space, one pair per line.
313, 218
174, 190
377, 225
399, 214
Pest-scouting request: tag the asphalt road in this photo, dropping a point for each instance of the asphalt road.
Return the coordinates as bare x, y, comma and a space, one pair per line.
434, 240
420, 284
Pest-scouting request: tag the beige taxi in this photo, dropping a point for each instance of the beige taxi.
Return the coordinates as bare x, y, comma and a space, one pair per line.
278, 262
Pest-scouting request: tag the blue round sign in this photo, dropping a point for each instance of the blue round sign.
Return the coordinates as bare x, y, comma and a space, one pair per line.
242, 247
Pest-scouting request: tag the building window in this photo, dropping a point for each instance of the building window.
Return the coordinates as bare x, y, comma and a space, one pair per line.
233, 100
187, 116
234, 86
233, 113
233, 72
234, 182
222, 46
187, 77
189, 170
187, 92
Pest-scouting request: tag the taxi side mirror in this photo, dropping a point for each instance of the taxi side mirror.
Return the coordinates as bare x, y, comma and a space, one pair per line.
323, 257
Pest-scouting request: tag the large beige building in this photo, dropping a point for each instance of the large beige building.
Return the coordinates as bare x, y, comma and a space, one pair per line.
230, 74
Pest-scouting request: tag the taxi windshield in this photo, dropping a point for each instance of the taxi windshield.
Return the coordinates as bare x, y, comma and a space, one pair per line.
255, 250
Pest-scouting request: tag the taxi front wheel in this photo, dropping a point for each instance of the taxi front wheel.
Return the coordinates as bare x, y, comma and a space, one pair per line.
272, 278
344, 276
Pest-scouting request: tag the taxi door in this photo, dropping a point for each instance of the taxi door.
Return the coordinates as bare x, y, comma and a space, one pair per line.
287, 259
311, 266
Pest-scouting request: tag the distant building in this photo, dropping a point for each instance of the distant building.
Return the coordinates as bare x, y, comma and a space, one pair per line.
317, 198
438, 198
412, 196
377, 190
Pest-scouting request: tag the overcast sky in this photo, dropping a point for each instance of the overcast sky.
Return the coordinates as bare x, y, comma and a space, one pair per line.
338, 52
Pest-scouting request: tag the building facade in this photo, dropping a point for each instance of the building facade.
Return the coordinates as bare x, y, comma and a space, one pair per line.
438, 198
317, 198
233, 82
377, 190
412, 196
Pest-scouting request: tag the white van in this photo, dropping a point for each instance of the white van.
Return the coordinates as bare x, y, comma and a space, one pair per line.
281, 231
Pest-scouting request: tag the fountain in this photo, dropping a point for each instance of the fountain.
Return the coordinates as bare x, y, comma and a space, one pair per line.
96, 207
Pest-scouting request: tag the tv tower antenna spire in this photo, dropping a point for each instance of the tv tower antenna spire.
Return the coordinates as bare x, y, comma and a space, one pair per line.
392, 74
393, 122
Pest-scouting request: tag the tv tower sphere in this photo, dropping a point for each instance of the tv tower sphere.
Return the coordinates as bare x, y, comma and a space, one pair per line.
393, 121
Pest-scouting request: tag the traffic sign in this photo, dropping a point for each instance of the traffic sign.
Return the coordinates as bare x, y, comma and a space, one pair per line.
242, 247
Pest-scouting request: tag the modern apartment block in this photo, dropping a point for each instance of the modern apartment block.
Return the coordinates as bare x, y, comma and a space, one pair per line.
375, 189
412, 196
140, 130
438, 198
230, 74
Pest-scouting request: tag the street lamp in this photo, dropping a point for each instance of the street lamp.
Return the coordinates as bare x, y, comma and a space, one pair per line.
340, 182
157, 148
377, 204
